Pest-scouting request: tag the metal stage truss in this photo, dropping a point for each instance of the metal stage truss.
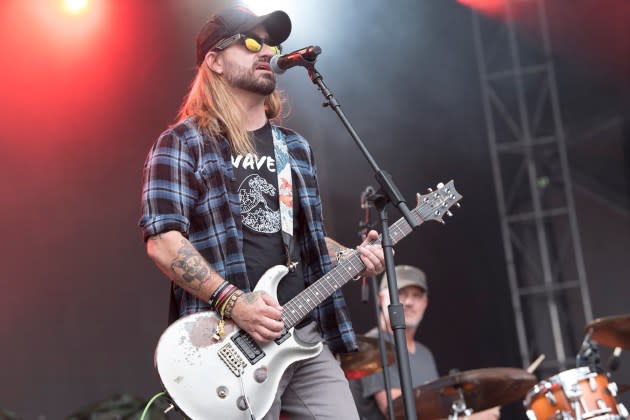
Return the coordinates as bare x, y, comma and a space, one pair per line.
543, 253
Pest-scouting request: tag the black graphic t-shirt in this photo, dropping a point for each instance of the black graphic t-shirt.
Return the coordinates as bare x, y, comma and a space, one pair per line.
257, 182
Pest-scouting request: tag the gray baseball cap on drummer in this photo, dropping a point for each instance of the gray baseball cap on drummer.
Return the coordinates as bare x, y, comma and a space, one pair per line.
239, 19
407, 275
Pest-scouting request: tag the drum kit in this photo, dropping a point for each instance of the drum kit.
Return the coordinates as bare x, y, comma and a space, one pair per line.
584, 393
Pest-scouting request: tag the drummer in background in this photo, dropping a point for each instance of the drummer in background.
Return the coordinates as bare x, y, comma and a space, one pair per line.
369, 391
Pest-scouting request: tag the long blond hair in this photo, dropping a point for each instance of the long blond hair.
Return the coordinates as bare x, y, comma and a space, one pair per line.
216, 112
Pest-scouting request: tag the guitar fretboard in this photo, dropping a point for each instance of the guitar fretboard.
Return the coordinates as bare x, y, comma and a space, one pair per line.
302, 304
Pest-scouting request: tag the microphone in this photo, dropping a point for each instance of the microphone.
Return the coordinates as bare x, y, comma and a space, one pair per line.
369, 191
613, 361
304, 57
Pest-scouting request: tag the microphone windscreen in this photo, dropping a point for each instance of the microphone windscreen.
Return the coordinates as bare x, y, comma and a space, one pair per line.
274, 65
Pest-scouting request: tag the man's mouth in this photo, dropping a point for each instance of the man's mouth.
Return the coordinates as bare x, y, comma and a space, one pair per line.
263, 66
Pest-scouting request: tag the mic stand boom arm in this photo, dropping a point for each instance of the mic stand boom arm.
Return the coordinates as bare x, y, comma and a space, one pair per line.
388, 193
383, 178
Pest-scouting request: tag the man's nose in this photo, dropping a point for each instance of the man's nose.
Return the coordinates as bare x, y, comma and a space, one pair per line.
267, 51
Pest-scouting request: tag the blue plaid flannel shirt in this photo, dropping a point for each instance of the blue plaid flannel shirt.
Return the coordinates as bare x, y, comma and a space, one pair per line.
189, 186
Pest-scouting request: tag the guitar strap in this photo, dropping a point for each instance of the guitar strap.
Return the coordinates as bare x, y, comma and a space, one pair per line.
285, 192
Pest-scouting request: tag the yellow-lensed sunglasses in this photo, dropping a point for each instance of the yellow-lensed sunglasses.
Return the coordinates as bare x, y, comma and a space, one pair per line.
252, 42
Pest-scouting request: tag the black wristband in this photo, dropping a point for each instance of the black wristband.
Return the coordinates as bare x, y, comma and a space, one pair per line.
216, 293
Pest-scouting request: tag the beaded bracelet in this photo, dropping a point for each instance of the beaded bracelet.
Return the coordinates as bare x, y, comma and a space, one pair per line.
225, 304
224, 296
227, 313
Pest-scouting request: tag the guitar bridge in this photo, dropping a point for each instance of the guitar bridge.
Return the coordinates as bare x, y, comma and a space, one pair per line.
231, 358
248, 347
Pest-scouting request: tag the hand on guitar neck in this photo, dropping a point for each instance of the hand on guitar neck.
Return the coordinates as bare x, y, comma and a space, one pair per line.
371, 255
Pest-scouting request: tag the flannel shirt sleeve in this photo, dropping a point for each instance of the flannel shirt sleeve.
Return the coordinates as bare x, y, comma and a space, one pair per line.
168, 191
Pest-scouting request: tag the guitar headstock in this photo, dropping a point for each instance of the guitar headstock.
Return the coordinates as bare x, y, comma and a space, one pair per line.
435, 204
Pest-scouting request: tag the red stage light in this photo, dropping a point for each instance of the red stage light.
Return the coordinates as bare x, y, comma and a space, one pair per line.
487, 7
75, 7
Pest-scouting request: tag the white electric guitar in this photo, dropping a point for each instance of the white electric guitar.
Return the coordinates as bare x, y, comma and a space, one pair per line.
237, 378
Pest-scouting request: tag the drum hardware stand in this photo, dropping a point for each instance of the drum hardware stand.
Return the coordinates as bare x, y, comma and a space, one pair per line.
623, 411
588, 354
459, 406
611, 366
613, 361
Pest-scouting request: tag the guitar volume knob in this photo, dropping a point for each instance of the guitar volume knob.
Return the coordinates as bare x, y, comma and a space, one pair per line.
261, 374
241, 403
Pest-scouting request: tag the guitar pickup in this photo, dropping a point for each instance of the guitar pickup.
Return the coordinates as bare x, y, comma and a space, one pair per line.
283, 337
248, 346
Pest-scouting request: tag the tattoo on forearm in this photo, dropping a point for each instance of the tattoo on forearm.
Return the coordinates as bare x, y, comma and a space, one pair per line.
190, 266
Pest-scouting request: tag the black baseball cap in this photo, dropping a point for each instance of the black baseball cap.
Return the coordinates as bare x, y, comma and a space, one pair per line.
239, 19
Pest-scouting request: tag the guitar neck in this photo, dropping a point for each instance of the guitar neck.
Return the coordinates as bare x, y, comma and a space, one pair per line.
347, 269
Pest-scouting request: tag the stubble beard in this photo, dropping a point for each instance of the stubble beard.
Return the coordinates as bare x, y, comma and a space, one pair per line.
413, 321
246, 79
413, 324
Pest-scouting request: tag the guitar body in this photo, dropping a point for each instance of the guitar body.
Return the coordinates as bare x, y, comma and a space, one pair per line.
205, 377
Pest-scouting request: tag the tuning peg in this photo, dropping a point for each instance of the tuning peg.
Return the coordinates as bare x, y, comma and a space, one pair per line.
440, 185
458, 205
448, 213
430, 190
442, 221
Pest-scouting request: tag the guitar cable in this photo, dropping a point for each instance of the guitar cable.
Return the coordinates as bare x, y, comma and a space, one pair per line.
151, 401
249, 408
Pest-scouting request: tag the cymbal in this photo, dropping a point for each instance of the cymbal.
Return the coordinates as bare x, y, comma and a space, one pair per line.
481, 388
612, 331
367, 360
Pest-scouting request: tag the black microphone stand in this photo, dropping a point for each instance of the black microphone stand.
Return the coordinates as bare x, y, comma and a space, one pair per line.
382, 349
388, 193
373, 286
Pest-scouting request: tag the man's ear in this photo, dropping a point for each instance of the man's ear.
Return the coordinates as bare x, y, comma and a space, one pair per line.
214, 61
